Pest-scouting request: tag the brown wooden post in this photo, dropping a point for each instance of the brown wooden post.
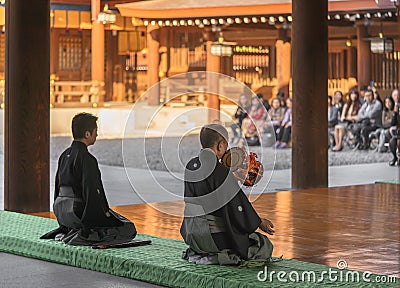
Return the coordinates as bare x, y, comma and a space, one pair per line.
27, 106
153, 46
213, 103
349, 64
363, 56
310, 86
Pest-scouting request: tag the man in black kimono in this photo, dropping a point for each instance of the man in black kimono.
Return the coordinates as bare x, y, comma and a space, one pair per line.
220, 223
80, 203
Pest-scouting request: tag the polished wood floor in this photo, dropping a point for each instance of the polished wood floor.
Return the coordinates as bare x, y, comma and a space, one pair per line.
358, 224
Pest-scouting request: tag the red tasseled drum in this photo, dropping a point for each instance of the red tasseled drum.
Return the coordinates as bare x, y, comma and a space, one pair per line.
244, 167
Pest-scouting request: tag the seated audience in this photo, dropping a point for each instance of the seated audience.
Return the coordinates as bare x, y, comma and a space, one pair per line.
264, 101
369, 118
333, 114
396, 99
285, 131
276, 114
240, 115
349, 115
219, 221
377, 97
363, 89
333, 118
254, 123
338, 101
383, 134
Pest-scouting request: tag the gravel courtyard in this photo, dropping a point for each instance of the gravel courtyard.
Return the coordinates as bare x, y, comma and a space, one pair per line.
177, 152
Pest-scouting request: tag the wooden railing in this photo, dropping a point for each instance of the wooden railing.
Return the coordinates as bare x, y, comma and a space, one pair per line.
74, 91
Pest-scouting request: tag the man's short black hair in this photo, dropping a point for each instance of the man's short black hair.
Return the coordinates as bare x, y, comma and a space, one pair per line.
81, 123
211, 134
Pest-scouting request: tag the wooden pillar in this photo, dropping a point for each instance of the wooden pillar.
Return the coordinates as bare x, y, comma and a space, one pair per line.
283, 62
213, 65
272, 63
310, 81
27, 106
349, 64
111, 62
153, 46
97, 49
363, 56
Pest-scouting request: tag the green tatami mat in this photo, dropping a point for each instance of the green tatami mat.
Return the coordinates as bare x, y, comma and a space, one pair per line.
388, 182
159, 263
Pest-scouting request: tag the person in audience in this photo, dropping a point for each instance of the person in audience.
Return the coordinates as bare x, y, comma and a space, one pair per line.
363, 89
333, 118
255, 122
394, 143
80, 203
338, 101
285, 131
396, 99
349, 115
333, 114
383, 134
276, 114
219, 224
369, 117
240, 115
377, 97
264, 101
281, 96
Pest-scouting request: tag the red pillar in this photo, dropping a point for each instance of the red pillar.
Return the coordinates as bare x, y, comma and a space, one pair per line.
97, 49
153, 46
27, 106
213, 103
283, 62
310, 81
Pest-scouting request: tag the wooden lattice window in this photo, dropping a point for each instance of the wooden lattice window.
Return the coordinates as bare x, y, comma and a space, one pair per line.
70, 53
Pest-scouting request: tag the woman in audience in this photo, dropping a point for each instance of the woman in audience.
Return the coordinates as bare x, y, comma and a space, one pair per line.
383, 134
338, 101
281, 96
276, 113
255, 122
240, 115
376, 95
349, 115
284, 132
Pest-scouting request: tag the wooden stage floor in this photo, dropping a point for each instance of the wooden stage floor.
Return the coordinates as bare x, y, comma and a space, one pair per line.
357, 224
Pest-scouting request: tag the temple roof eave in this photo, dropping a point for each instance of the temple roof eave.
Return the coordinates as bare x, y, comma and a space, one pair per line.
180, 9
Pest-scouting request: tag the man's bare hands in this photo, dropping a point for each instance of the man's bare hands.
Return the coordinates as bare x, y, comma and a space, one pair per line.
267, 226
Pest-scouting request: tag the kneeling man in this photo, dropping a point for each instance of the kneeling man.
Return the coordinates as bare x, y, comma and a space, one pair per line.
80, 203
220, 223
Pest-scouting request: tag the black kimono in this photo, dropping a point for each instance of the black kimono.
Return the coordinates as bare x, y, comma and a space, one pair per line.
216, 206
80, 203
